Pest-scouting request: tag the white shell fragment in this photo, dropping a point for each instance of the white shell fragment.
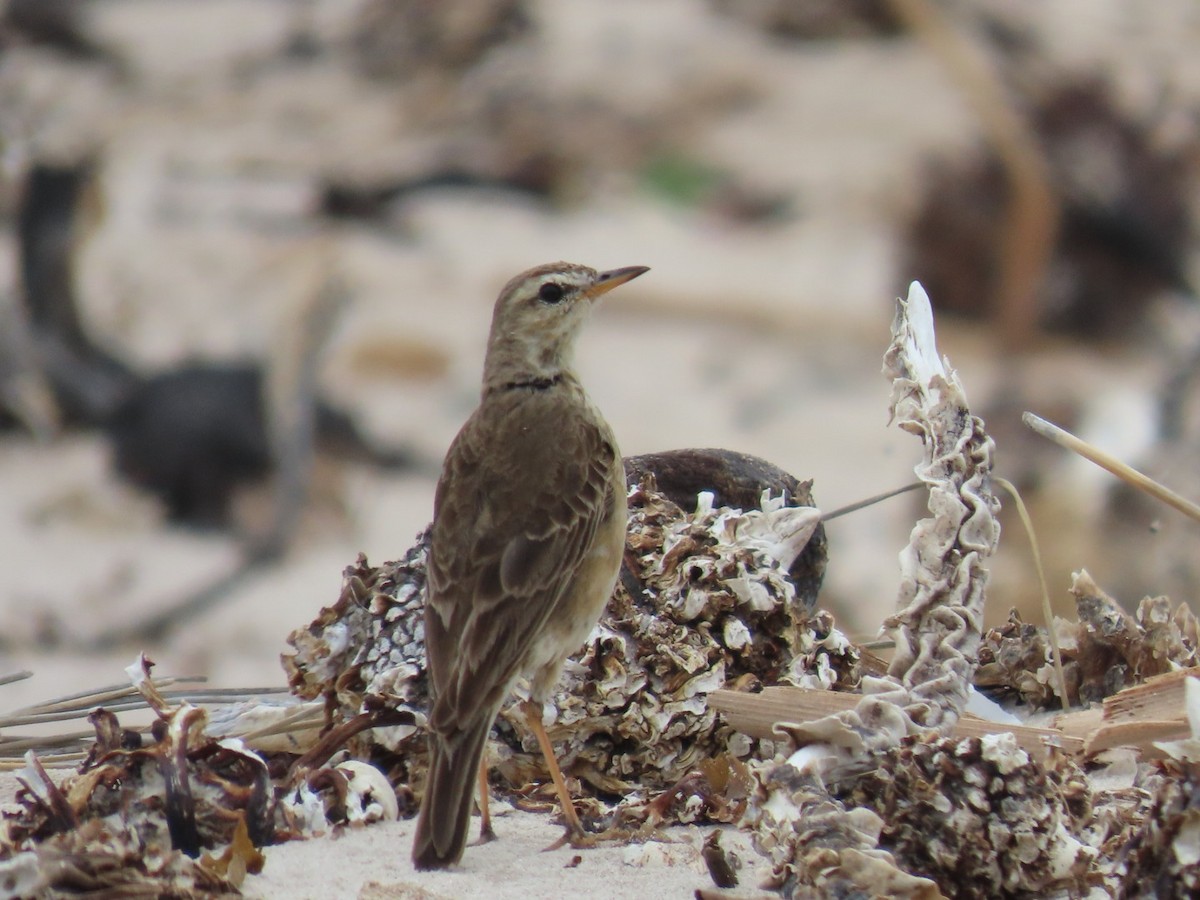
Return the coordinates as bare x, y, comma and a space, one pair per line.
374, 799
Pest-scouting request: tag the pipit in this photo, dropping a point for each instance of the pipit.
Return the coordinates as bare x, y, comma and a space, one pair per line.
528, 536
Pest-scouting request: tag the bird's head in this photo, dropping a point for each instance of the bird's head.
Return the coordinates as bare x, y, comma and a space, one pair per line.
538, 315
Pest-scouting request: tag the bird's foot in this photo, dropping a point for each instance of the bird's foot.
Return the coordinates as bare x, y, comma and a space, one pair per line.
578, 839
487, 834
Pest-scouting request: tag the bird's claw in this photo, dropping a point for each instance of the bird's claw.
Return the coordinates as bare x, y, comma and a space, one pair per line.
578, 839
574, 838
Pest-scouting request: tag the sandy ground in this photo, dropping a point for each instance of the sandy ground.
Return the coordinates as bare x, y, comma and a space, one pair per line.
766, 340
372, 864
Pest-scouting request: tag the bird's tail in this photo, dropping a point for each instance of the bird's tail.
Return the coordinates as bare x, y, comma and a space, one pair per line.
445, 815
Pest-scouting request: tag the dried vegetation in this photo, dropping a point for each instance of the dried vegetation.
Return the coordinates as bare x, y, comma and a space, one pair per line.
879, 798
724, 560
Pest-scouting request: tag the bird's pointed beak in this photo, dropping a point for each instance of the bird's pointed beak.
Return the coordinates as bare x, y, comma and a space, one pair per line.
606, 281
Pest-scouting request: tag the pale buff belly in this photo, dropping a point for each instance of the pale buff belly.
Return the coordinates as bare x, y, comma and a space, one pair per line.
576, 616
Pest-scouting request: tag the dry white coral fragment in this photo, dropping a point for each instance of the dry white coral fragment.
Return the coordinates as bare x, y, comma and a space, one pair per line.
936, 627
938, 623
302, 810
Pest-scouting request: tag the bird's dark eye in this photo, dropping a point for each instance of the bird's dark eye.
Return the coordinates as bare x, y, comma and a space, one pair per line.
550, 292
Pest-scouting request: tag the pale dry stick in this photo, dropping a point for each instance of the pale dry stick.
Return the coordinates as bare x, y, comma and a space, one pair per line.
13, 721
117, 699
84, 700
223, 695
299, 720
49, 761
1047, 612
1126, 473
16, 747
1034, 211
128, 704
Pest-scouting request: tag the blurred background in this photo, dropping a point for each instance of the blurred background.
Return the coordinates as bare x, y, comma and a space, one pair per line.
249, 249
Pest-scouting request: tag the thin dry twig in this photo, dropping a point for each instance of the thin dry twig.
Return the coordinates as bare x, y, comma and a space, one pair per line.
68, 747
1104, 460
1047, 612
870, 501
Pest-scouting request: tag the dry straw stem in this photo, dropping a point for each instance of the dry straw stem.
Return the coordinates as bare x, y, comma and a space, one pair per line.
1047, 612
1138, 716
758, 714
1126, 473
67, 748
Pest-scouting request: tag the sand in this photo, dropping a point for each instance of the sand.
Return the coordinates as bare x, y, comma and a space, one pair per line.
373, 862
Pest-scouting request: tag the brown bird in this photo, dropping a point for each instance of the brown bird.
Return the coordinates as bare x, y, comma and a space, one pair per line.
528, 536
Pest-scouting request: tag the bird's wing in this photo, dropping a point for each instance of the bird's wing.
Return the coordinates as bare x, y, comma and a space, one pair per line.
517, 510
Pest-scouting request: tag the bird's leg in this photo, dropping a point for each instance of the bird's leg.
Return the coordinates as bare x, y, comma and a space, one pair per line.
575, 835
486, 834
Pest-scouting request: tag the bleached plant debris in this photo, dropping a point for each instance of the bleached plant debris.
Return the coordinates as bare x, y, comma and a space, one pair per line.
939, 617
135, 820
1105, 650
978, 815
1162, 857
792, 808
936, 627
368, 649
179, 813
706, 598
